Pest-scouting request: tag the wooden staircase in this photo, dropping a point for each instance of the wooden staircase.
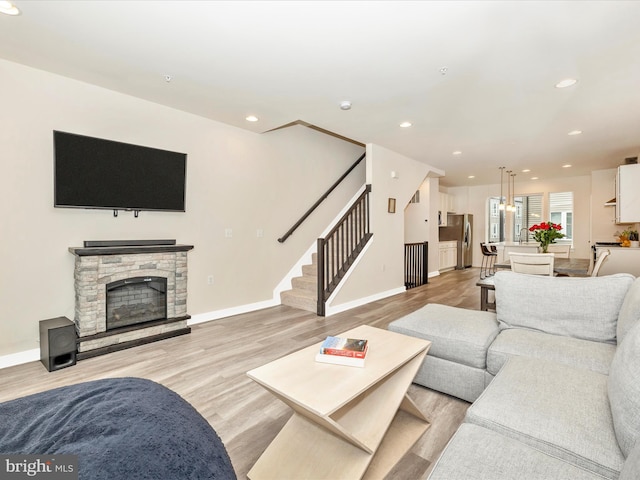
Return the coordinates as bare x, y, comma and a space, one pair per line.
304, 291
334, 256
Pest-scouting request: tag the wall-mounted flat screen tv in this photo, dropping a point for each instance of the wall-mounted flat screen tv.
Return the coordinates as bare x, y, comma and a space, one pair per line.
96, 173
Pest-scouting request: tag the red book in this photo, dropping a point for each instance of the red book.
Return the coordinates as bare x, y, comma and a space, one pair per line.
345, 347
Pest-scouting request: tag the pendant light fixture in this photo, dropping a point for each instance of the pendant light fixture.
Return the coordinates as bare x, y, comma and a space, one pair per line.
512, 202
501, 205
508, 207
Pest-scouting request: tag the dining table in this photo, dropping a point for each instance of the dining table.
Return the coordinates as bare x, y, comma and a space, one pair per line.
574, 267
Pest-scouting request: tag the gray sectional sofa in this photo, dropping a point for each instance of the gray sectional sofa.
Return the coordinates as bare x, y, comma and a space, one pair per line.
553, 374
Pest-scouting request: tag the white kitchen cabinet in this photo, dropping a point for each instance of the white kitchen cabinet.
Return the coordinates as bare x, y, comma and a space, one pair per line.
445, 205
447, 202
448, 255
628, 194
451, 200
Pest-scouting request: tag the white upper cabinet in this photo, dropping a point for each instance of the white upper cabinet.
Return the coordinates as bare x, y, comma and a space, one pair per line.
628, 194
447, 202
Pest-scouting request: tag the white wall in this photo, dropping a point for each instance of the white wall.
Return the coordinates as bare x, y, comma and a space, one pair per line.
417, 217
380, 271
421, 221
236, 179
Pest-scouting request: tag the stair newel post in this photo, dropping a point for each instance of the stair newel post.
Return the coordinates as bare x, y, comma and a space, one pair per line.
321, 276
368, 190
425, 263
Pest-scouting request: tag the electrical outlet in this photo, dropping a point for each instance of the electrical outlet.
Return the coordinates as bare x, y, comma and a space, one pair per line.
228, 233
259, 233
210, 280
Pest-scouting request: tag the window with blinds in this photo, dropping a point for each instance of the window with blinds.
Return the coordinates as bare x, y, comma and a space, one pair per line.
528, 213
496, 221
561, 211
532, 210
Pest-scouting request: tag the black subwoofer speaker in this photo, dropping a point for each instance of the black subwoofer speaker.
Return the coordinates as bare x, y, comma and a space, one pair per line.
57, 343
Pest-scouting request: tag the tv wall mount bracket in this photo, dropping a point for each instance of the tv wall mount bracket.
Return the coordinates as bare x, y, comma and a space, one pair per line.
135, 212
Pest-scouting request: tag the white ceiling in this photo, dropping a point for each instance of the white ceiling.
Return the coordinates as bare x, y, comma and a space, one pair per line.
288, 61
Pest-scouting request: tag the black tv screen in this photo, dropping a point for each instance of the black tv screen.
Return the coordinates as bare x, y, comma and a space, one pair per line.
96, 173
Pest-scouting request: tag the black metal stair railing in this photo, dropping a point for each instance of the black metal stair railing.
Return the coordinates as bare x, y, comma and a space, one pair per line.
416, 264
340, 247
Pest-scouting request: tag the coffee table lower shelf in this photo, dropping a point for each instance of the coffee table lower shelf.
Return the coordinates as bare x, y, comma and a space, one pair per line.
304, 449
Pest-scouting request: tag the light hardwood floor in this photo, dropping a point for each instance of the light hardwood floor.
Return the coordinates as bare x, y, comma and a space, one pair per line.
207, 368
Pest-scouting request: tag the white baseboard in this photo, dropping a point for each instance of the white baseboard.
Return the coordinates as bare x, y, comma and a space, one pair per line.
20, 358
229, 312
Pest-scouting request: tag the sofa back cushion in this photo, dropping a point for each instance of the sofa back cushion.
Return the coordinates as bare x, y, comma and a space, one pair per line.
578, 307
630, 311
624, 391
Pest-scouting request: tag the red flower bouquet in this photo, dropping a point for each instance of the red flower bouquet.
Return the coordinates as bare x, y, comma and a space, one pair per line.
546, 233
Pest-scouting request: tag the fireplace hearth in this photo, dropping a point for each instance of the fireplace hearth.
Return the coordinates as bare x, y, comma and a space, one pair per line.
129, 295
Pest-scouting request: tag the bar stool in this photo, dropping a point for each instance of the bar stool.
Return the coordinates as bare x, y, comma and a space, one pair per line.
489, 256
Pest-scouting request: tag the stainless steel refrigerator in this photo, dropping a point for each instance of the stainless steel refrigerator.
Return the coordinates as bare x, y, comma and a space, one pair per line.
460, 228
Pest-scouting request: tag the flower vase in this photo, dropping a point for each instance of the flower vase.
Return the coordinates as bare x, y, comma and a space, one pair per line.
544, 247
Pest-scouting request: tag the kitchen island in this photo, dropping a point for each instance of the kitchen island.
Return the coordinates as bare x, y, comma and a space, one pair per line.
621, 260
505, 248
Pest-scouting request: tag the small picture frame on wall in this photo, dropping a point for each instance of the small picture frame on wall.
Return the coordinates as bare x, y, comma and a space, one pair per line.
391, 207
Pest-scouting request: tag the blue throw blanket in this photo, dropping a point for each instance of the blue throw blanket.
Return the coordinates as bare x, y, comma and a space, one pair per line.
124, 428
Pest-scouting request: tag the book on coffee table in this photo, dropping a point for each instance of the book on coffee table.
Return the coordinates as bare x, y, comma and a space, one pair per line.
344, 347
340, 360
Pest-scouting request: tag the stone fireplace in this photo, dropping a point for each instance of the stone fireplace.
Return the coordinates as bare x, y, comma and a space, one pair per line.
127, 295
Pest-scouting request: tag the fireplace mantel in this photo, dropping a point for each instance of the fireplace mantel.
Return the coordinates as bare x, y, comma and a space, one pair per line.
128, 250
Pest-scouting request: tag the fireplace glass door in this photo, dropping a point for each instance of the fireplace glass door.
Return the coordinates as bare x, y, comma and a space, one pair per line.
136, 300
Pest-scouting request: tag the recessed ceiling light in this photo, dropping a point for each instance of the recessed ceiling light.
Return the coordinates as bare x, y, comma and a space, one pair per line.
526, 170
8, 8
534, 178
567, 166
471, 176
457, 152
575, 132
251, 118
567, 82
405, 124
346, 105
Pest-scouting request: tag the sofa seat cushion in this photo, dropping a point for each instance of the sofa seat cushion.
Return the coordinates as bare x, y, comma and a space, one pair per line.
574, 352
481, 454
624, 390
557, 409
578, 307
456, 334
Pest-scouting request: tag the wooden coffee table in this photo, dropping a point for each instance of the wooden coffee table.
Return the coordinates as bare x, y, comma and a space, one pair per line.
348, 422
